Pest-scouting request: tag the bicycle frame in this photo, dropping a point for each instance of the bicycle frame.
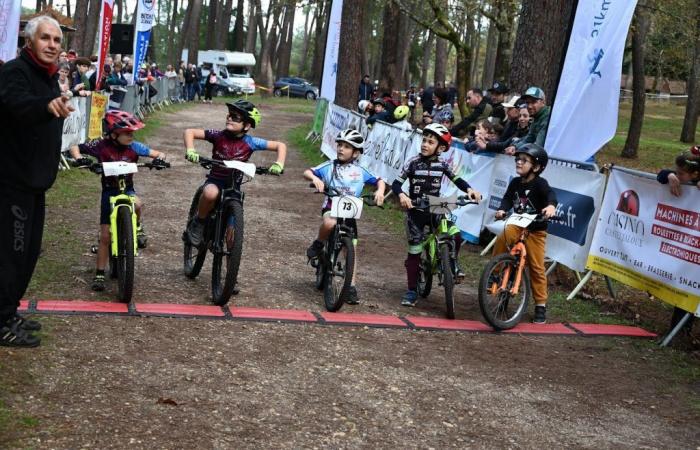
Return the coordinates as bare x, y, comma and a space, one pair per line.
122, 200
226, 196
437, 236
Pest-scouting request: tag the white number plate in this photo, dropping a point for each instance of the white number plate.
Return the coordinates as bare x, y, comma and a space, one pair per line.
247, 168
521, 220
346, 207
113, 169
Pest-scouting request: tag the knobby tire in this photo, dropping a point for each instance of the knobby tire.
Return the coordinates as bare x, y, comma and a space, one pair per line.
225, 267
503, 311
425, 273
125, 257
342, 259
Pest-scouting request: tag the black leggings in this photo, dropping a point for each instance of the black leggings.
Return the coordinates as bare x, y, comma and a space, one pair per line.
21, 229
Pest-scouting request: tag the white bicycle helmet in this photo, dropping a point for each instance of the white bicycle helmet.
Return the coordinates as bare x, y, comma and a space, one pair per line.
440, 132
352, 137
363, 105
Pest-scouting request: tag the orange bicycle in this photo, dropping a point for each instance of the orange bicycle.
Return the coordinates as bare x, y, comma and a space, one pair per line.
504, 287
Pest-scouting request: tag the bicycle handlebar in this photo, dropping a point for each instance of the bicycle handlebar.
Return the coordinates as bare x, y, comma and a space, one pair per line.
96, 167
423, 203
330, 191
208, 163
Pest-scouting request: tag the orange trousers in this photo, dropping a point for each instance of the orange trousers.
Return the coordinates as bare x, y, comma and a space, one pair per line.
534, 245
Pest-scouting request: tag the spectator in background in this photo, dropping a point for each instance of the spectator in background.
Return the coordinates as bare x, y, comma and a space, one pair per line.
71, 55
63, 77
380, 112
82, 65
497, 94
181, 80
452, 95
62, 58
32, 111
426, 100
539, 112
366, 89
512, 132
190, 78
441, 107
199, 78
172, 82
411, 101
209, 86
480, 109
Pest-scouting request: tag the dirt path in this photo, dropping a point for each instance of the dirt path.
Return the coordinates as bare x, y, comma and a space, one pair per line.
115, 382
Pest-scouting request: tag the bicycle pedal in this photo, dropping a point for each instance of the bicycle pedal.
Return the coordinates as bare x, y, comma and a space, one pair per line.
313, 262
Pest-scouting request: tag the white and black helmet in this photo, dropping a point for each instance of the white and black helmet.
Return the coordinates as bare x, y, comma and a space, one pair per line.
352, 137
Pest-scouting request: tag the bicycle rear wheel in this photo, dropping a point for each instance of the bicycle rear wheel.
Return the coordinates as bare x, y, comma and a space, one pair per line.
501, 309
193, 256
448, 280
425, 274
224, 272
125, 256
338, 273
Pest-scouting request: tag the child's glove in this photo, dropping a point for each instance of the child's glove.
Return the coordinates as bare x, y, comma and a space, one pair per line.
192, 155
82, 162
276, 169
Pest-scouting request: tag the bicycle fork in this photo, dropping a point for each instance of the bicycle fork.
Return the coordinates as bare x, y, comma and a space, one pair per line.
519, 252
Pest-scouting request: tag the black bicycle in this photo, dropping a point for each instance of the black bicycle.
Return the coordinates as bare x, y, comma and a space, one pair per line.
223, 230
438, 255
122, 223
335, 266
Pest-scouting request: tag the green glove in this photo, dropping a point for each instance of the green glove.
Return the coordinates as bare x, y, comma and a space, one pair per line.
192, 155
276, 169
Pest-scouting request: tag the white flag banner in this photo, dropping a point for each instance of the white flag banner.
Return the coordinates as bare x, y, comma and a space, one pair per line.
584, 117
649, 239
9, 28
330, 60
579, 195
75, 125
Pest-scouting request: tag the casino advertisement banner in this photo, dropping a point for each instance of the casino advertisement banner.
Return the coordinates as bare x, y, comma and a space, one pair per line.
649, 239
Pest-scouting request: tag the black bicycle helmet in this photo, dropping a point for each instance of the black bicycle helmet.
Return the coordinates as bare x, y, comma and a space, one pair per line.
537, 153
246, 109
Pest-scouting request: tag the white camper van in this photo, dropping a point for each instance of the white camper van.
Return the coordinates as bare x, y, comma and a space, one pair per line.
232, 70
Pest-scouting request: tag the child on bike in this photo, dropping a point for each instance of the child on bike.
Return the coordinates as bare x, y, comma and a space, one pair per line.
687, 171
424, 174
530, 193
119, 129
347, 176
232, 143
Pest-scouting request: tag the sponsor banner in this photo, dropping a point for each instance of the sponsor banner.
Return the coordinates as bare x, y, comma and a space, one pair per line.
337, 119
145, 16
75, 125
387, 148
10, 11
579, 193
98, 107
330, 60
584, 117
649, 239
103, 38
319, 115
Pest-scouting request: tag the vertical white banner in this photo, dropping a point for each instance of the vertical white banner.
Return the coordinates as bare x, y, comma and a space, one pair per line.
330, 60
9, 28
584, 117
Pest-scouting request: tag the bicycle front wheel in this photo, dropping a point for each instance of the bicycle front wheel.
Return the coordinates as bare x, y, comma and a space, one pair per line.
224, 272
448, 280
338, 273
502, 309
425, 273
125, 256
193, 256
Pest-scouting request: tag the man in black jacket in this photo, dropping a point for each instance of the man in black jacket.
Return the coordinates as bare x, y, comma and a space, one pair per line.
365, 90
480, 109
31, 113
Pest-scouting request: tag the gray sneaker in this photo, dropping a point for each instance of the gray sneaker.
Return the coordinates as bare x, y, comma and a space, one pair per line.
540, 314
195, 231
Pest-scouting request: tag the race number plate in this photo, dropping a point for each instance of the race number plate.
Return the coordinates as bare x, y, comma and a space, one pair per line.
114, 169
248, 169
521, 220
346, 207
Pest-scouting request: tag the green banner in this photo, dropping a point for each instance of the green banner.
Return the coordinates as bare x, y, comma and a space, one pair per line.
320, 115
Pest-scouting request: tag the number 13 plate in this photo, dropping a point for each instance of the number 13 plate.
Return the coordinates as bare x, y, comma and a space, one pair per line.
346, 207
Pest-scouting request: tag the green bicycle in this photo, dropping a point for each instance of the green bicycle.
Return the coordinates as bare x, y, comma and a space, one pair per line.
122, 224
438, 255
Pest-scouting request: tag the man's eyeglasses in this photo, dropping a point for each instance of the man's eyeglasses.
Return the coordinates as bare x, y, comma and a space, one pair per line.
522, 160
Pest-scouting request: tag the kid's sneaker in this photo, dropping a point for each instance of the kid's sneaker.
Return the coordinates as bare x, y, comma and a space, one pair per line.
540, 314
351, 296
141, 238
314, 249
195, 231
410, 298
98, 283
13, 335
24, 323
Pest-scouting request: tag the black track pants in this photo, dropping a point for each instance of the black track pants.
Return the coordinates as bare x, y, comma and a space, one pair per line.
21, 229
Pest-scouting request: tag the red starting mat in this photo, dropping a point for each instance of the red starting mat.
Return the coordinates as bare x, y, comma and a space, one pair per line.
80, 306
433, 323
292, 315
170, 309
363, 319
591, 329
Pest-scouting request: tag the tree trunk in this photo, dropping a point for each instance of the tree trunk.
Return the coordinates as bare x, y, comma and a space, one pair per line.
351, 26
543, 27
193, 31
406, 28
692, 108
427, 53
251, 35
474, 39
308, 26
507, 10
182, 43
440, 62
390, 75
239, 37
212, 15
91, 27
638, 95
284, 52
320, 41
172, 36
68, 7
490, 57
79, 21
269, 42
